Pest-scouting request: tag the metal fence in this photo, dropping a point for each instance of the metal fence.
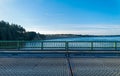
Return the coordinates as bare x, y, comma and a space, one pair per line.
60, 45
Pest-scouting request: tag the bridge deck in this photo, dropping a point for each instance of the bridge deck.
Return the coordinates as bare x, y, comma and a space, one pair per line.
59, 66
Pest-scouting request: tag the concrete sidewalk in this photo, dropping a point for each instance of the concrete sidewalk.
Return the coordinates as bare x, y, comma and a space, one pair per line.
59, 66
34, 67
95, 66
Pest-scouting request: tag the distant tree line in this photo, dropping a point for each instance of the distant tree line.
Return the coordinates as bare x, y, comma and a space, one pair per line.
16, 32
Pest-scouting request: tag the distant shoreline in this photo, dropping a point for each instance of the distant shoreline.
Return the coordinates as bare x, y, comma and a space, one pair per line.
57, 36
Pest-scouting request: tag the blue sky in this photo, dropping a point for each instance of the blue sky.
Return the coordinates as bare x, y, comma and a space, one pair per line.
94, 17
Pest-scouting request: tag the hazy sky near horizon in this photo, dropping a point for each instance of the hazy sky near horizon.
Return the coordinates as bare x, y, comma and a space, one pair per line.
94, 17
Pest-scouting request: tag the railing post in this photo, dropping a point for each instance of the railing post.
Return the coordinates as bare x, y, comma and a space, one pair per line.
66, 46
18, 45
91, 45
115, 45
42, 45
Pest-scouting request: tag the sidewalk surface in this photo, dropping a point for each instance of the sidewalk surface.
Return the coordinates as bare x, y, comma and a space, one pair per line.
59, 67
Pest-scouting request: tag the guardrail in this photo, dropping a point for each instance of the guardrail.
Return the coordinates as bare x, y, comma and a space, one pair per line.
60, 45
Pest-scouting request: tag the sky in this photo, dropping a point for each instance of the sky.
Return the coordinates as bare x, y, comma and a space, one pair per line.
87, 17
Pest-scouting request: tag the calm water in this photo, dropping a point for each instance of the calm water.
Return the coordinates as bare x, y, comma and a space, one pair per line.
88, 39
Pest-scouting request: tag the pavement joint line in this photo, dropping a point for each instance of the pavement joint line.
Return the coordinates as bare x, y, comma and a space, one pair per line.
69, 64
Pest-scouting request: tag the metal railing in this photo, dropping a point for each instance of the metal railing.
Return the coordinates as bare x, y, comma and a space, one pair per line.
60, 45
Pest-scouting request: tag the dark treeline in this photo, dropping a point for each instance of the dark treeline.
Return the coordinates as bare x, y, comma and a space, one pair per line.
16, 32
